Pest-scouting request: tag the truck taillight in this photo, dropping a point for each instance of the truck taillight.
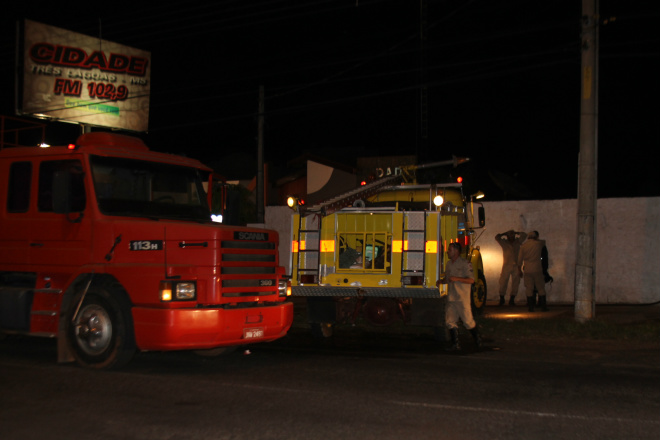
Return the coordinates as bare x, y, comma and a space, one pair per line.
413, 280
308, 279
177, 291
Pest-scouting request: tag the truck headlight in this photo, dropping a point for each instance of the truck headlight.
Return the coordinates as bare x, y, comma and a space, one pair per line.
185, 291
178, 291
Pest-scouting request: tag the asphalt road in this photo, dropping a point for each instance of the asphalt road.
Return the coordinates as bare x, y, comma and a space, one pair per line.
362, 385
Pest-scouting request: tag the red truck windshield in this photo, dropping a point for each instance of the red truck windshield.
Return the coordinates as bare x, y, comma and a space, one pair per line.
126, 187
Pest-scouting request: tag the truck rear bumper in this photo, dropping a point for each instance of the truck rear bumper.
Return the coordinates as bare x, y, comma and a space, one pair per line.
188, 329
378, 292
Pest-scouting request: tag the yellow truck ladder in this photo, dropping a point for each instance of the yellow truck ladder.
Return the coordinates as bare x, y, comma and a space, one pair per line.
309, 248
414, 239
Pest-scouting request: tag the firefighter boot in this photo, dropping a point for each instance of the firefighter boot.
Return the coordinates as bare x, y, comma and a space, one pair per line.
501, 300
477, 338
530, 303
455, 343
542, 303
512, 300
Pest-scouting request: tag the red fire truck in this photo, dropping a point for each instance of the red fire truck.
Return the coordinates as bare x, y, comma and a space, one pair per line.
110, 248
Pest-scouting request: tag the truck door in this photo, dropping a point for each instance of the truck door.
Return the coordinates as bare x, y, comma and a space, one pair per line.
58, 239
14, 236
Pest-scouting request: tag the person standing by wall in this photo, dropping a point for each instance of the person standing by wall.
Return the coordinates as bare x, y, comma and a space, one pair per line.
460, 277
529, 263
510, 241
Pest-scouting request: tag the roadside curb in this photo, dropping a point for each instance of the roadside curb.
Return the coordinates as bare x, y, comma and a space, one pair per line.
614, 313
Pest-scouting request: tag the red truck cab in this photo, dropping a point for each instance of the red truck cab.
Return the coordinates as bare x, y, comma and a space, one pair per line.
110, 248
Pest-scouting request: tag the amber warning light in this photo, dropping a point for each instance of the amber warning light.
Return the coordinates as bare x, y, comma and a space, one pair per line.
292, 201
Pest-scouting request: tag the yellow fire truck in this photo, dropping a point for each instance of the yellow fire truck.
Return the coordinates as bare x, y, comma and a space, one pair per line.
376, 252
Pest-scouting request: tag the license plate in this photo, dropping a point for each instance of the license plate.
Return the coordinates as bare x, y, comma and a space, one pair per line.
252, 333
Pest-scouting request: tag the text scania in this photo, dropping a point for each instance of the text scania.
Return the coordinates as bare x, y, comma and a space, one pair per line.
45, 53
260, 236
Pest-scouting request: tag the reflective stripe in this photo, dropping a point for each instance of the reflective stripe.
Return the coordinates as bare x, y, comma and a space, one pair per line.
431, 247
327, 245
294, 246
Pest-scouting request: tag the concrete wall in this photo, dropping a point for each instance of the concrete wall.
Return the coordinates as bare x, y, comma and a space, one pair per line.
628, 245
280, 219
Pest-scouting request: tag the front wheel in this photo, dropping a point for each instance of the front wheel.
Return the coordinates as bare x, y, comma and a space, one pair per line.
100, 334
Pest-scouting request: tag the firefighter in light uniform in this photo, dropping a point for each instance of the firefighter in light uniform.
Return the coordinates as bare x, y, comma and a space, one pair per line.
530, 268
460, 277
510, 242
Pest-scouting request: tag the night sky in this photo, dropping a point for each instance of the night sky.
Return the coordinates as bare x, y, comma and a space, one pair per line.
342, 80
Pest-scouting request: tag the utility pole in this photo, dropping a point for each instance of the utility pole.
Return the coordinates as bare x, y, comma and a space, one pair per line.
260, 158
585, 267
423, 89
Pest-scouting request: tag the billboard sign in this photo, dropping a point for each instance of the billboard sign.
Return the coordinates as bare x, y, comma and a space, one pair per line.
71, 77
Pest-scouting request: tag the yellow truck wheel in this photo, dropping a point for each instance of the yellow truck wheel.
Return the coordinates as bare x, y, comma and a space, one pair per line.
381, 311
479, 294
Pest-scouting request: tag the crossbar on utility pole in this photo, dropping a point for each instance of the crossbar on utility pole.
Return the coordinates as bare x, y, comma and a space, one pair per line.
585, 267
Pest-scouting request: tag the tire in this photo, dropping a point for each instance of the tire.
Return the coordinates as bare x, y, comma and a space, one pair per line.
478, 295
101, 337
381, 311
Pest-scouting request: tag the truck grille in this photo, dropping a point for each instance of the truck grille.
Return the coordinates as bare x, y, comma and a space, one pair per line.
248, 268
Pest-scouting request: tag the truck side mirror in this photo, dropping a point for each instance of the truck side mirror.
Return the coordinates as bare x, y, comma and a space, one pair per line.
481, 212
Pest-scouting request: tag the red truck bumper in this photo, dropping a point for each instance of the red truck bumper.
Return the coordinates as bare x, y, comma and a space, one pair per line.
187, 329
